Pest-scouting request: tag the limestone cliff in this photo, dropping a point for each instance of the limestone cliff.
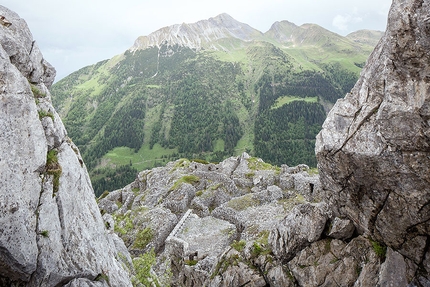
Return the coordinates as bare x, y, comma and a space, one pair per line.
374, 149
51, 231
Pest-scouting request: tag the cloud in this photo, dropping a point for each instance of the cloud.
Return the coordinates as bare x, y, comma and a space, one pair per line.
342, 22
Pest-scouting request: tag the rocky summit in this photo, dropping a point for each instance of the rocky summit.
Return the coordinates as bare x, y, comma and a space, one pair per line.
51, 231
201, 34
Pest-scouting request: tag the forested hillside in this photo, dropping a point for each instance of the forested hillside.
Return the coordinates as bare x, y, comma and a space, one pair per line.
149, 106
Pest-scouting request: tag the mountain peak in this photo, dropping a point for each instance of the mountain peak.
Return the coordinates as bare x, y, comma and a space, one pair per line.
202, 34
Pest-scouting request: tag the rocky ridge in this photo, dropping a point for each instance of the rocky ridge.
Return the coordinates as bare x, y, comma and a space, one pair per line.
202, 34
51, 231
221, 32
242, 221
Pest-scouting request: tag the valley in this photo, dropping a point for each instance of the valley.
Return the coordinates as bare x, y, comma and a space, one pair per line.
209, 90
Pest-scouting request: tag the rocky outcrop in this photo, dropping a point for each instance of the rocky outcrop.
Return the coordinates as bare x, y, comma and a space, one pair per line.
227, 210
51, 231
374, 150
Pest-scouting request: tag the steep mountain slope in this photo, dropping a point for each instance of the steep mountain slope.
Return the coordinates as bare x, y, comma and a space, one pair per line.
208, 90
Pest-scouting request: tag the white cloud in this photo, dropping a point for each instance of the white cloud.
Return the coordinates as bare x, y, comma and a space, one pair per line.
342, 22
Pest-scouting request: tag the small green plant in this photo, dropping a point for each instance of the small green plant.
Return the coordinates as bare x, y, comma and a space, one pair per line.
102, 277
258, 164
261, 245
224, 263
185, 179
44, 233
380, 249
143, 237
43, 114
36, 92
313, 171
135, 190
199, 193
53, 168
239, 245
216, 186
123, 224
250, 174
183, 162
190, 262
104, 194
142, 265
327, 246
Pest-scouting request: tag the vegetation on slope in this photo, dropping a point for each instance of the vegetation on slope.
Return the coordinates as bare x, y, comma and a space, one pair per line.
144, 108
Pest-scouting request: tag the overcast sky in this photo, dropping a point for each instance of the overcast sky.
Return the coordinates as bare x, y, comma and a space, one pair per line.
76, 33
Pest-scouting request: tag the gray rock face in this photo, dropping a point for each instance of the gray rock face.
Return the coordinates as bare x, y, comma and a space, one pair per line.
374, 150
336, 263
297, 230
341, 228
51, 230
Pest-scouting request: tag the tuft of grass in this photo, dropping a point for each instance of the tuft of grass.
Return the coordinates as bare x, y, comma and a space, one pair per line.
239, 245
261, 245
104, 194
123, 224
44, 114
44, 233
380, 249
36, 92
313, 171
185, 179
258, 164
224, 263
143, 237
102, 277
143, 265
53, 168
191, 262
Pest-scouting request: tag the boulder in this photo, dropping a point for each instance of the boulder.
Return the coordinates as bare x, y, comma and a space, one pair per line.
341, 229
302, 226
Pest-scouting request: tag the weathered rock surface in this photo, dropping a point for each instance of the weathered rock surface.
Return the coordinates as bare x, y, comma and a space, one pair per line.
336, 263
227, 211
297, 230
51, 230
341, 228
374, 150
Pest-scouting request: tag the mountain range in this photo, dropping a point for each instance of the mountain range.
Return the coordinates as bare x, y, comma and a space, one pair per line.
209, 90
